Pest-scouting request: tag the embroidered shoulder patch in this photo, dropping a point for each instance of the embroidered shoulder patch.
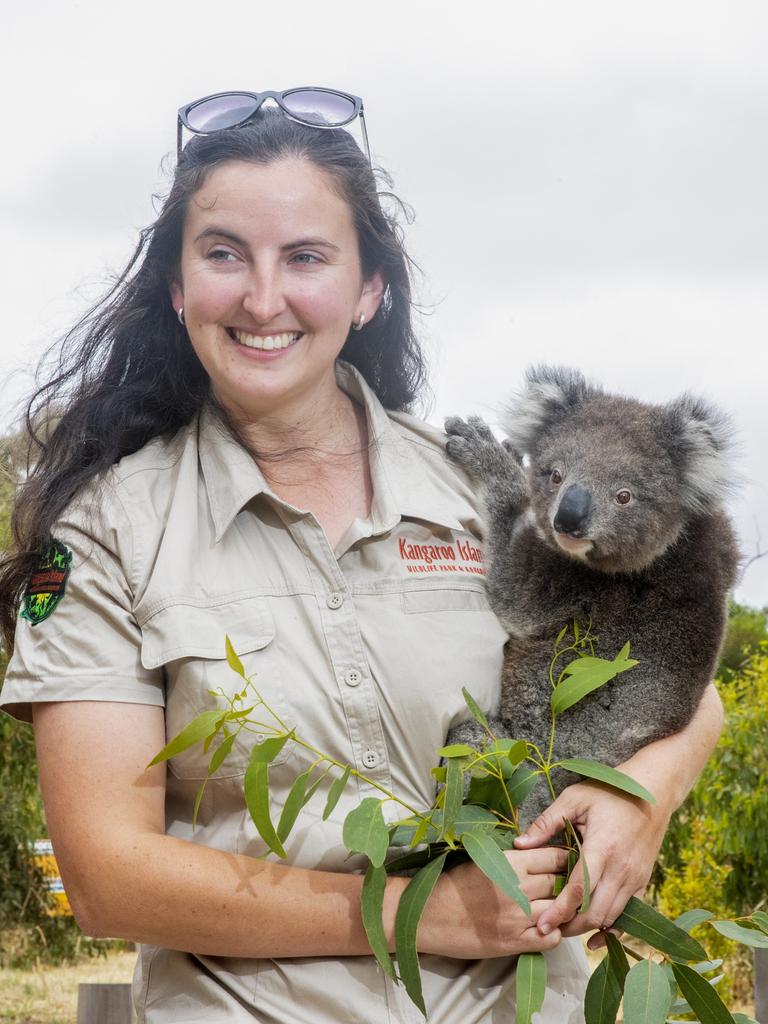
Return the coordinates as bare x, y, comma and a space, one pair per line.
47, 583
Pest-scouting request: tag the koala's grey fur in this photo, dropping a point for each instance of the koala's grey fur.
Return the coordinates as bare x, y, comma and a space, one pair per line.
655, 571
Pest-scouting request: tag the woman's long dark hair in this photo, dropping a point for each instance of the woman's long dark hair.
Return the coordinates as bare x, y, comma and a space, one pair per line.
127, 373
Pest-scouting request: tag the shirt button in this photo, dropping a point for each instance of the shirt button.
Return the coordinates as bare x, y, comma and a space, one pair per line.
335, 600
353, 677
370, 759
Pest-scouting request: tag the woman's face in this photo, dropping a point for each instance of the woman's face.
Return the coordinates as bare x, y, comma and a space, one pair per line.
270, 283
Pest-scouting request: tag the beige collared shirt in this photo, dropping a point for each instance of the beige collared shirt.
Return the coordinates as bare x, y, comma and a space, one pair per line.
363, 649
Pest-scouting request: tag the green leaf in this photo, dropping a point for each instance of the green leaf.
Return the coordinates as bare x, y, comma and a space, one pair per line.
454, 794
584, 676
604, 773
365, 831
232, 659
601, 1002
737, 932
761, 920
256, 789
198, 801
193, 733
335, 791
457, 750
492, 862
314, 787
742, 1018
702, 998
440, 773
617, 959
269, 748
693, 918
371, 906
220, 753
574, 836
560, 636
646, 994
530, 986
643, 922
474, 707
409, 911
623, 653
293, 804
521, 783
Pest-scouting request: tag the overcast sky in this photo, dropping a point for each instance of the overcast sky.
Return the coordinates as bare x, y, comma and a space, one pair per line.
589, 179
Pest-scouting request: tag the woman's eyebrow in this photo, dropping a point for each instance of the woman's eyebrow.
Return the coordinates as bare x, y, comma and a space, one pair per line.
221, 233
317, 242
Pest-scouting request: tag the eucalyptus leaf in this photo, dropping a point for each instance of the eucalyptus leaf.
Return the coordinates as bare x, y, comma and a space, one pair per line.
530, 986
335, 791
646, 994
372, 906
701, 997
439, 773
706, 966
737, 932
365, 831
220, 754
454, 794
520, 785
692, 918
269, 748
603, 995
573, 835
742, 1018
617, 959
492, 862
474, 707
256, 789
604, 773
761, 920
643, 922
293, 804
457, 750
409, 911
232, 659
584, 675
197, 730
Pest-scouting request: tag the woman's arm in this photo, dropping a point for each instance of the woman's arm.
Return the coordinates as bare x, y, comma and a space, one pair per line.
621, 834
125, 878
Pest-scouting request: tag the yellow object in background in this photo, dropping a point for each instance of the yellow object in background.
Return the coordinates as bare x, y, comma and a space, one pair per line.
42, 855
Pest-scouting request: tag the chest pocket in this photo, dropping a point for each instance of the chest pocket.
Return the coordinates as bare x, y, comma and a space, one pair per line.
188, 642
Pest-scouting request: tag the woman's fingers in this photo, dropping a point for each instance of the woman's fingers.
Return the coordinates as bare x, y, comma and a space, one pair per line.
535, 862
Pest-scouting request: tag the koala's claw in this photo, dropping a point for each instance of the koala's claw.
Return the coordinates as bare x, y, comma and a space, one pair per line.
471, 443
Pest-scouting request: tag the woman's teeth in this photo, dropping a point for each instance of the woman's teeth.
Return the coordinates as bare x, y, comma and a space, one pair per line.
269, 341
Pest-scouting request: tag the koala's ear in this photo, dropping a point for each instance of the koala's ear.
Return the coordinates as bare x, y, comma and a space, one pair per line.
550, 393
700, 440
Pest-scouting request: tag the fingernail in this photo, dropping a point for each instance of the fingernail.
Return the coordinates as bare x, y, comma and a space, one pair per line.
545, 928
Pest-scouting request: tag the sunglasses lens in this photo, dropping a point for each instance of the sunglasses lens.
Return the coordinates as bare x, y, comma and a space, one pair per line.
329, 108
220, 112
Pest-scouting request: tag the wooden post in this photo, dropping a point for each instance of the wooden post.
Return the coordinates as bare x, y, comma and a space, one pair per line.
104, 1004
761, 985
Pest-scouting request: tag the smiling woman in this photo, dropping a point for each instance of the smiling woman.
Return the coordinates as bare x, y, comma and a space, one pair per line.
225, 449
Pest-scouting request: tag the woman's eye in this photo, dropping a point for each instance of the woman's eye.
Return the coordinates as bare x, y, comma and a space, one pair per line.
221, 256
304, 257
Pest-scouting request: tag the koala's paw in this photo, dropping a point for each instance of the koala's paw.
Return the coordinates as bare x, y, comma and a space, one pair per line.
473, 446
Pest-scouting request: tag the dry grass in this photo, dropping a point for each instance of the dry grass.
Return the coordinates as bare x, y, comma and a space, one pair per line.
49, 995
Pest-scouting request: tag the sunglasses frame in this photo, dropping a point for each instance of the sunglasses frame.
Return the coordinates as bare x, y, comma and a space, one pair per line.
278, 97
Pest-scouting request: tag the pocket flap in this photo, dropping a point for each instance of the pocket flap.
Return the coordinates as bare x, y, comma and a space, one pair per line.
194, 631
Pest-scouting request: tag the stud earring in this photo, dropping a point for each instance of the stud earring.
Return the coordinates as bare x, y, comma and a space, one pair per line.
360, 321
180, 315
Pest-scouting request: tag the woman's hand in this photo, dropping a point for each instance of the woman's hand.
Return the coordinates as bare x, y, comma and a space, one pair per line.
621, 836
468, 917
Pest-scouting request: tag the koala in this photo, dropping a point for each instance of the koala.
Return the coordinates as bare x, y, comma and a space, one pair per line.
615, 519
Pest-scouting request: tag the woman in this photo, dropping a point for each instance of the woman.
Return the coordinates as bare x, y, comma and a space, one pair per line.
232, 457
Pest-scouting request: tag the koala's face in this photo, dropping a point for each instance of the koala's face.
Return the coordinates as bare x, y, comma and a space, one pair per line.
603, 487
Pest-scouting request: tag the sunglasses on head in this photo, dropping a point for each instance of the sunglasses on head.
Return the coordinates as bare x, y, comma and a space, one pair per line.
310, 105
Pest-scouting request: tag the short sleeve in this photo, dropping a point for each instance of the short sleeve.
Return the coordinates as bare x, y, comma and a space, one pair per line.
82, 642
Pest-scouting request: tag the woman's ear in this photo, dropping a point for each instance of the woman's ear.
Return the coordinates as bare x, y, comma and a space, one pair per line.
177, 296
371, 296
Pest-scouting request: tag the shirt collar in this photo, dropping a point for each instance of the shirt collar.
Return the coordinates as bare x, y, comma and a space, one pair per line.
403, 486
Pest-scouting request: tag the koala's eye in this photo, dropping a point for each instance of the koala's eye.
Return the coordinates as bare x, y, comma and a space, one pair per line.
556, 477
623, 497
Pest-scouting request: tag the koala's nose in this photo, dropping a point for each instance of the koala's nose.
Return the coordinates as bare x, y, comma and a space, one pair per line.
574, 509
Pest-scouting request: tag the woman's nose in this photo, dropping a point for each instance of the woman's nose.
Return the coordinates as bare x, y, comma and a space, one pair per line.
264, 299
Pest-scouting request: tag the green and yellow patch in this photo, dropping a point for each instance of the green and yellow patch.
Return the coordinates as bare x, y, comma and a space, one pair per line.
47, 583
